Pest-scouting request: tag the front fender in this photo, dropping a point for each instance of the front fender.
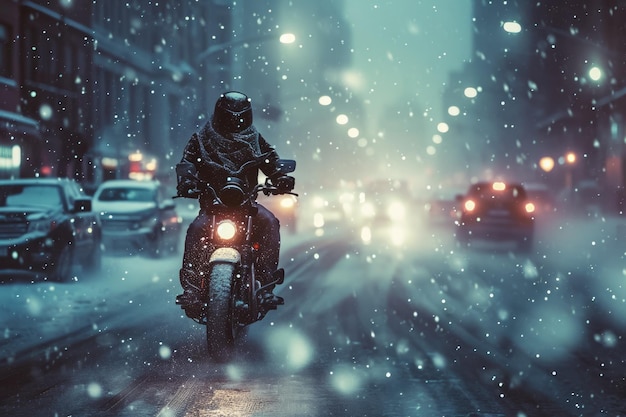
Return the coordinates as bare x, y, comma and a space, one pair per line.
229, 255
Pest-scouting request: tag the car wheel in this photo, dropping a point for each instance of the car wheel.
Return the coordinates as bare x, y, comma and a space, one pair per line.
93, 263
156, 246
61, 267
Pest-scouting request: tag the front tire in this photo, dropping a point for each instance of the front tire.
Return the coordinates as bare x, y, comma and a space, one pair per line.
62, 265
93, 262
221, 326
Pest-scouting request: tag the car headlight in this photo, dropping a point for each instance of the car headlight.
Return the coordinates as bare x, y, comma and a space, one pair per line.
318, 220
319, 202
226, 229
368, 210
41, 226
148, 222
396, 211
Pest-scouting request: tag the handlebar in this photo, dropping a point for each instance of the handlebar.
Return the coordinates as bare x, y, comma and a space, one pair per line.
233, 189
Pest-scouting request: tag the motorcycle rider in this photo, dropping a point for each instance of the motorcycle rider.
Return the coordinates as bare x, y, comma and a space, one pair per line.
223, 145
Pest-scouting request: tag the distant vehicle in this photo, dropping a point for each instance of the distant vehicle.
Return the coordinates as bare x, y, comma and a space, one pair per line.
542, 197
284, 207
325, 208
385, 201
496, 211
47, 227
137, 216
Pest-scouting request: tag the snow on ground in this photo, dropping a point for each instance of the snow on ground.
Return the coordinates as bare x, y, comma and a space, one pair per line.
32, 313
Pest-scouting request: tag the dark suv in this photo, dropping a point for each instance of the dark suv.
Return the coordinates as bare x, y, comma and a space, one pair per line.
47, 227
496, 211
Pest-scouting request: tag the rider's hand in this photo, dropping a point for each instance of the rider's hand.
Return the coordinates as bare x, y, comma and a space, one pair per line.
187, 187
284, 183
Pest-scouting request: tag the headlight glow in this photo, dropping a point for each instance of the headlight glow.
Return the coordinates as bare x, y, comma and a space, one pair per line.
366, 235
226, 229
396, 211
287, 202
368, 210
318, 220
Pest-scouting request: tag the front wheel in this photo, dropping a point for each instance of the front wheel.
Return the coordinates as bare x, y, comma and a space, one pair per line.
221, 326
61, 267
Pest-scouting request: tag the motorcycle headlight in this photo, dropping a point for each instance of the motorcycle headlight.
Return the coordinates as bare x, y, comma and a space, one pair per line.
287, 202
226, 229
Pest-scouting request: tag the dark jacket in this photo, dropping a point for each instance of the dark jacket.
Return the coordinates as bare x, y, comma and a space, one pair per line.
216, 157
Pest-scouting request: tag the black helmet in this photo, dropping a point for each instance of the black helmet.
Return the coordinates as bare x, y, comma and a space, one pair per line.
233, 113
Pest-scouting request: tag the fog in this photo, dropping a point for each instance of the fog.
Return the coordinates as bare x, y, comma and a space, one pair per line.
403, 54
384, 292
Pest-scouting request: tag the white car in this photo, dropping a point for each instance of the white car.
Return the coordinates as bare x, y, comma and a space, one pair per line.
137, 216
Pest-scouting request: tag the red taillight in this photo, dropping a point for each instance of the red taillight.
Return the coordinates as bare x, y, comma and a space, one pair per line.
469, 205
529, 207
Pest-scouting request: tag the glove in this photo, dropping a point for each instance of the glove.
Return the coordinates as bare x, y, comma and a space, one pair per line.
284, 183
187, 184
187, 187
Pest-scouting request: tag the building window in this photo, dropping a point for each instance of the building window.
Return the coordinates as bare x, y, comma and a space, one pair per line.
5, 51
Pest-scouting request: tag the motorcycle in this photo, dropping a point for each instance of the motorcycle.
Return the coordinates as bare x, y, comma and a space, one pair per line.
231, 296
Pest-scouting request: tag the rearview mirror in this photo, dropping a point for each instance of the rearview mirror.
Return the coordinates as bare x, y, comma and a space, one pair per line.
185, 169
82, 204
286, 166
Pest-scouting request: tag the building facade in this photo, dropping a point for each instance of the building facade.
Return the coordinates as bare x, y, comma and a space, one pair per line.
32, 130
102, 89
534, 67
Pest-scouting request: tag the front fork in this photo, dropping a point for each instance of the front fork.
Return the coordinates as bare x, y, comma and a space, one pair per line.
247, 291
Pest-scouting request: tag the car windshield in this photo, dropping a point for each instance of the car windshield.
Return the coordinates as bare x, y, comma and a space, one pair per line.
30, 195
126, 194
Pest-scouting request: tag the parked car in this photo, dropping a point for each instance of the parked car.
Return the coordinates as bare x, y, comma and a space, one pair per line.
496, 211
137, 216
47, 227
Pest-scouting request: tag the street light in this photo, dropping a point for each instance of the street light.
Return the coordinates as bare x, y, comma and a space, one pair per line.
546, 163
570, 160
284, 38
595, 73
512, 27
